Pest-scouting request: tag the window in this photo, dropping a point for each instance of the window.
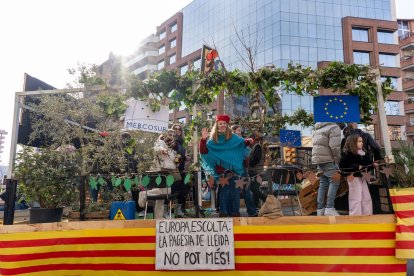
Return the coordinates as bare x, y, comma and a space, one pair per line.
393, 108
386, 37
160, 65
411, 123
162, 34
174, 27
161, 50
395, 133
394, 82
182, 107
388, 60
173, 43
361, 58
359, 34
197, 64
183, 69
172, 59
403, 30
370, 129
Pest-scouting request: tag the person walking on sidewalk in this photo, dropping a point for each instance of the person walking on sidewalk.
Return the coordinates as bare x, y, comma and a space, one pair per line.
354, 161
326, 154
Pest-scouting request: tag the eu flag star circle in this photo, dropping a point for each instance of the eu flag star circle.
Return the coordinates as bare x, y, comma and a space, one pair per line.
336, 108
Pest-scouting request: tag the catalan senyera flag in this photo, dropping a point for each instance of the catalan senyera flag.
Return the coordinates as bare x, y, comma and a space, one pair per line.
302, 249
336, 109
403, 205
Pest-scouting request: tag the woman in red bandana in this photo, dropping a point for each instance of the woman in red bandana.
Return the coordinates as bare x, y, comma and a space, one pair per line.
222, 155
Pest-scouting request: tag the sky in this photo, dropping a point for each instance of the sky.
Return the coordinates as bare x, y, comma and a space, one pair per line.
44, 38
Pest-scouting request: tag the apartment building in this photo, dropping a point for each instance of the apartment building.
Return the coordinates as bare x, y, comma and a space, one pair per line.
279, 32
406, 43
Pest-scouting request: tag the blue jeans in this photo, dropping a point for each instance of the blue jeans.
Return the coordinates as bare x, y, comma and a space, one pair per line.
230, 199
327, 185
248, 200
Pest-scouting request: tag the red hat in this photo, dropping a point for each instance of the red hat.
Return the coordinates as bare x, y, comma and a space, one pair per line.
223, 117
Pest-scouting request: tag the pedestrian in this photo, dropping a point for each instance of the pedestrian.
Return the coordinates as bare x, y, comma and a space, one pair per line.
326, 154
179, 185
255, 169
165, 161
370, 145
355, 161
222, 155
247, 194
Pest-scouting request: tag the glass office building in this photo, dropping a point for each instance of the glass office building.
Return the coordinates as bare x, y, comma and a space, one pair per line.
280, 31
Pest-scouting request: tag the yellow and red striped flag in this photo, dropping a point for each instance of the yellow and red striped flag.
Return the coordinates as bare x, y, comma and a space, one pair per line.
403, 205
302, 249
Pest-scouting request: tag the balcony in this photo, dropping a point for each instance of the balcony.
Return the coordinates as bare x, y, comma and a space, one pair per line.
407, 44
407, 63
408, 84
140, 57
148, 67
409, 108
149, 39
409, 130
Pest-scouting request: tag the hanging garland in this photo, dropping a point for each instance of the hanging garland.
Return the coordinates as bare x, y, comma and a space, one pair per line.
135, 180
337, 76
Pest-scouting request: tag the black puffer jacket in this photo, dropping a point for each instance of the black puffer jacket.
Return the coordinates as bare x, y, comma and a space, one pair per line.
370, 145
350, 163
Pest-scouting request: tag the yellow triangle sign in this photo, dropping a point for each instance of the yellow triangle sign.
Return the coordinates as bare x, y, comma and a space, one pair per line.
119, 215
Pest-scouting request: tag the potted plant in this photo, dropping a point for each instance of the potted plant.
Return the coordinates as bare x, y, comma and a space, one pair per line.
402, 174
47, 178
402, 194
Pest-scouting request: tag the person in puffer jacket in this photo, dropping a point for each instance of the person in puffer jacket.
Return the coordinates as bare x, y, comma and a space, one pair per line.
326, 153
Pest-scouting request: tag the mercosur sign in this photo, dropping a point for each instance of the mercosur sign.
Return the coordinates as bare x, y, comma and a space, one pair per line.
139, 116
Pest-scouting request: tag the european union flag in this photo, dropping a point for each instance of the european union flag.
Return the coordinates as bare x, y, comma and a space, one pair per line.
290, 138
336, 109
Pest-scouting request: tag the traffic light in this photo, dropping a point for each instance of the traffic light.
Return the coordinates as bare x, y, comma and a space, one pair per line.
289, 155
208, 57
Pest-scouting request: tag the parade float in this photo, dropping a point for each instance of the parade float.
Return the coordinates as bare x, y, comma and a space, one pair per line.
297, 245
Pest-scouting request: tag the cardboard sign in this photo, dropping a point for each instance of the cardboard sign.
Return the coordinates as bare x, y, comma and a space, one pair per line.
194, 244
139, 116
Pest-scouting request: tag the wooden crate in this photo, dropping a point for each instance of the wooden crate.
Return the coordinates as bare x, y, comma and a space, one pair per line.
385, 207
307, 197
103, 215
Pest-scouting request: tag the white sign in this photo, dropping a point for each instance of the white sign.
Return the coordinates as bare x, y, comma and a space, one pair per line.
139, 116
195, 244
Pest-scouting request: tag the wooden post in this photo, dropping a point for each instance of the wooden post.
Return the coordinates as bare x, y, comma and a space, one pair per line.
197, 176
389, 157
9, 203
15, 133
82, 197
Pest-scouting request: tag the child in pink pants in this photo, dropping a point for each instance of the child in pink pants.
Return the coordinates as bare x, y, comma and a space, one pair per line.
354, 162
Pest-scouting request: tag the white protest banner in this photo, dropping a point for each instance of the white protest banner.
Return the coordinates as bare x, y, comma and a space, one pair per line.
195, 244
139, 116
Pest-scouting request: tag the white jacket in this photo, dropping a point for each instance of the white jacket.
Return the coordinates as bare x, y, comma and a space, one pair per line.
164, 161
326, 143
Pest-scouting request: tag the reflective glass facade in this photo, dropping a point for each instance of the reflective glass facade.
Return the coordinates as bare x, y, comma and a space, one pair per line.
280, 31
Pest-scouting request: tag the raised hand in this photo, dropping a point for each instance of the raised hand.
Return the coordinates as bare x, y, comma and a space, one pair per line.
204, 133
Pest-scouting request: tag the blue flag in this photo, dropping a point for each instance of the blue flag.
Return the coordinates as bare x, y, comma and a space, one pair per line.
336, 109
290, 138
